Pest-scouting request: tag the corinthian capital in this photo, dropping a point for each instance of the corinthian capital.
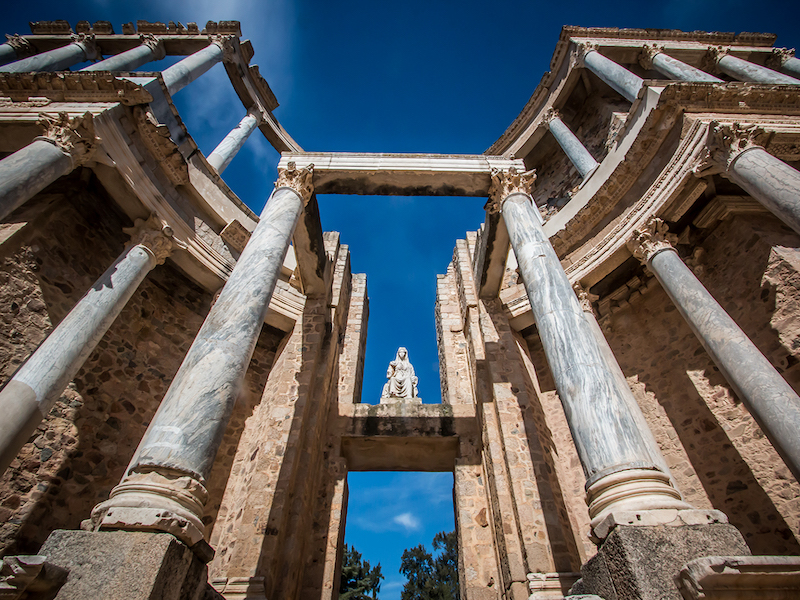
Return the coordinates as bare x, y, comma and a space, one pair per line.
711, 60
299, 180
550, 114
778, 57
585, 297
87, 42
725, 143
647, 55
73, 136
155, 44
225, 42
21, 46
505, 183
154, 235
651, 239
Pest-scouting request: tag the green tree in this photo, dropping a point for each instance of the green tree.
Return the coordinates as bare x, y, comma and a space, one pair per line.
432, 578
358, 579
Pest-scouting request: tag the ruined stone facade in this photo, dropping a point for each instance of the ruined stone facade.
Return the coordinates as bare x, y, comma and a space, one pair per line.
618, 343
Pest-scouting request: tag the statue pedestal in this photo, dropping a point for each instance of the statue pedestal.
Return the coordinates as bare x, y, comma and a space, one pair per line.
391, 400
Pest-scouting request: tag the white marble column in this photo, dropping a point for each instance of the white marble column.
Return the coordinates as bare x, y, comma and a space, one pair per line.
771, 401
223, 154
182, 73
652, 57
150, 49
616, 76
66, 144
784, 60
617, 458
30, 394
81, 49
734, 151
570, 144
718, 57
15, 48
164, 486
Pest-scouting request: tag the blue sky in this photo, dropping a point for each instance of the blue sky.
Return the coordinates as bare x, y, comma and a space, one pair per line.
413, 76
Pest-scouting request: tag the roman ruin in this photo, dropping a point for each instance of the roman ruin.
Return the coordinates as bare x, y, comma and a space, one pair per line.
619, 343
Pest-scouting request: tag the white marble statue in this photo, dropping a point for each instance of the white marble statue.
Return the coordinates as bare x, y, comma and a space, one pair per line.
402, 381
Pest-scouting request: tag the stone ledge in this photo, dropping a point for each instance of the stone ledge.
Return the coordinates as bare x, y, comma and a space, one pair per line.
740, 577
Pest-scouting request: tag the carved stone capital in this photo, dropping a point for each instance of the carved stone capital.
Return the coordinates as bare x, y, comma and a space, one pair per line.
226, 43
647, 55
21, 46
550, 114
74, 137
725, 143
154, 235
87, 42
299, 180
651, 239
778, 57
585, 297
505, 183
583, 49
710, 62
155, 44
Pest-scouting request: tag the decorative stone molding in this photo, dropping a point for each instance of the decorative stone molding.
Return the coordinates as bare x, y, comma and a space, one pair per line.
73, 136
17, 573
654, 237
710, 62
583, 48
505, 183
778, 57
299, 180
585, 297
77, 86
21, 46
154, 235
647, 55
550, 114
726, 142
156, 45
156, 138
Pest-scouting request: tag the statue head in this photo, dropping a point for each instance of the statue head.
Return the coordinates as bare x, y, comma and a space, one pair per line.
402, 353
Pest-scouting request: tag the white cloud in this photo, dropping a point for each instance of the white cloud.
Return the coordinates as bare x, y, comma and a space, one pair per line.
407, 520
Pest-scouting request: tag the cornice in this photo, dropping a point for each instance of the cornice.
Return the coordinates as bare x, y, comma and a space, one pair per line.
65, 86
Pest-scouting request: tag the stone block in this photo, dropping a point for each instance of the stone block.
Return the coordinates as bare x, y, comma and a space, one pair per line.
741, 577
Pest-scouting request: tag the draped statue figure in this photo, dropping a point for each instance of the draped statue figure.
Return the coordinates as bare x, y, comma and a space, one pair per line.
402, 381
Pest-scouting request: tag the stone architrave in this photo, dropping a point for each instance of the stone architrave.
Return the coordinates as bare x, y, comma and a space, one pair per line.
402, 381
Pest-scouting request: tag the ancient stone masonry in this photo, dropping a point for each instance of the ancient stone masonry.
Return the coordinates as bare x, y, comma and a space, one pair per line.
618, 343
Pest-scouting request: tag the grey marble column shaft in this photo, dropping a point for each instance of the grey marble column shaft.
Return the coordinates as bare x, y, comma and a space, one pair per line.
747, 71
572, 146
28, 171
771, 401
30, 394
769, 180
128, 60
7, 54
182, 73
679, 70
617, 76
791, 67
54, 60
227, 149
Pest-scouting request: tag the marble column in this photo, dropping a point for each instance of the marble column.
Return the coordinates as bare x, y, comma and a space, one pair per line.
652, 57
66, 144
163, 488
182, 73
15, 48
784, 60
81, 49
150, 49
735, 151
771, 401
223, 154
30, 394
616, 456
719, 58
616, 76
571, 145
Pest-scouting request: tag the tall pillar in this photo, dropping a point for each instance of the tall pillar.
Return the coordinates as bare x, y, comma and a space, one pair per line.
784, 60
570, 144
771, 401
617, 458
653, 57
718, 58
163, 488
66, 144
223, 154
182, 73
15, 48
735, 152
81, 49
30, 394
616, 76
150, 49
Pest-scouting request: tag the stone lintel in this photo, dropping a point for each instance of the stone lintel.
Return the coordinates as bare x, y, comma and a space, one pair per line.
309, 249
401, 174
493, 247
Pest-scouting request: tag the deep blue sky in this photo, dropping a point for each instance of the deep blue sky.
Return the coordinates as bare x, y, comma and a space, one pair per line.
414, 76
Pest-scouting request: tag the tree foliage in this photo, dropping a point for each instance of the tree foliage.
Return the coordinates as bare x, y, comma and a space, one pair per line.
358, 579
432, 578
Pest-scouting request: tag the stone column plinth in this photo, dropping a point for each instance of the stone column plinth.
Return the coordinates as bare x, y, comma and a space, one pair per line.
30, 394
570, 144
81, 49
617, 458
223, 154
653, 57
719, 58
150, 49
15, 48
771, 401
182, 73
66, 144
616, 76
784, 60
164, 485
